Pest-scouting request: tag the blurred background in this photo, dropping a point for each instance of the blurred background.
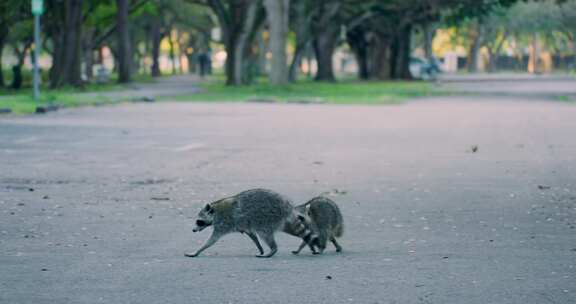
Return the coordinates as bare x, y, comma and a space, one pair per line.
92, 45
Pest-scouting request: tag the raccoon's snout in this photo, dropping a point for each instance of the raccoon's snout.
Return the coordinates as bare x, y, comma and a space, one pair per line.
200, 225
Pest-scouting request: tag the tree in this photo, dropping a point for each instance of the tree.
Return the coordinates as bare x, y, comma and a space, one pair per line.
124, 49
64, 26
239, 22
21, 37
12, 12
278, 12
326, 26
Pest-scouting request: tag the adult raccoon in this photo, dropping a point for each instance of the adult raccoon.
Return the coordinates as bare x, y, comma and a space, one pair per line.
257, 213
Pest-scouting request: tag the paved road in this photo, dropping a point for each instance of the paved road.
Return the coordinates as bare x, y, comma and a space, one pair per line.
161, 87
525, 85
96, 203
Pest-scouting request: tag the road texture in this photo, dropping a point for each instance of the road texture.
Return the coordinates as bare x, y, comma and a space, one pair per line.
445, 200
161, 87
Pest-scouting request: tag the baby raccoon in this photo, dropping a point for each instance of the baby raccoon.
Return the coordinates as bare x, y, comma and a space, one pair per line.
323, 217
257, 213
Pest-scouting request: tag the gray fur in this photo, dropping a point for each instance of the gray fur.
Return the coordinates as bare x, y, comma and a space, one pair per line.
257, 213
325, 220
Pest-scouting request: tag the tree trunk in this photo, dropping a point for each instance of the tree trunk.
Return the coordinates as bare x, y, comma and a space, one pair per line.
17, 68
124, 51
136, 56
359, 44
277, 12
327, 28
428, 30
88, 48
156, 40
239, 22
3, 34
57, 60
492, 57
262, 50
380, 57
295, 64
324, 46
182, 54
67, 62
302, 23
474, 49
243, 41
229, 45
400, 54
473, 54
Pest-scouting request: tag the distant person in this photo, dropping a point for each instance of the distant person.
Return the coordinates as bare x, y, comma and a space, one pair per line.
203, 63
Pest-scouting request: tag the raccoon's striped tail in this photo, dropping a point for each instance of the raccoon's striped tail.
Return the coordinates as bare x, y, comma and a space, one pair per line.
339, 232
304, 233
296, 227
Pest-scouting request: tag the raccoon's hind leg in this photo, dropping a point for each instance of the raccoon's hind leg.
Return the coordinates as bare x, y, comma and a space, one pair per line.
321, 243
338, 247
297, 251
268, 238
213, 238
254, 238
310, 244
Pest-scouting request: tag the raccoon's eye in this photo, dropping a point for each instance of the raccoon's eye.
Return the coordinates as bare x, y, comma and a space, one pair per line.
209, 209
201, 223
301, 217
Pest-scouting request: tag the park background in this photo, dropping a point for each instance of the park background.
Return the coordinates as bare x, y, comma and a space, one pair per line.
276, 50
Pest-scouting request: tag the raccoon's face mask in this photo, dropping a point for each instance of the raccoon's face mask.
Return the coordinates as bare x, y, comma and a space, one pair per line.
205, 218
303, 215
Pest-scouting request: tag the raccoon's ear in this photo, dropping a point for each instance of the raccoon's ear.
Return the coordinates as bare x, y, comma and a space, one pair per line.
209, 208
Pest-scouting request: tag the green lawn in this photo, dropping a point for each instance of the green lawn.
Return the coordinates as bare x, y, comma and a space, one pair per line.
21, 101
213, 90
345, 92
24, 103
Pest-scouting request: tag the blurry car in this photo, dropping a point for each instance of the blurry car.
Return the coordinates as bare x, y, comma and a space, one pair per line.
423, 69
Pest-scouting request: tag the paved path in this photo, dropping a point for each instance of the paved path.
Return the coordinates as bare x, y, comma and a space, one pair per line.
525, 85
96, 203
161, 87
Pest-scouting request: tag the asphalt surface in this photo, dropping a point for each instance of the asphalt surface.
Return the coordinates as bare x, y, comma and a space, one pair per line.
161, 87
546, 86
97, 204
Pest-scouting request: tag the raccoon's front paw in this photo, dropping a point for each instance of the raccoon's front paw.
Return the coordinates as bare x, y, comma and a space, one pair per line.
191, 255
295, 252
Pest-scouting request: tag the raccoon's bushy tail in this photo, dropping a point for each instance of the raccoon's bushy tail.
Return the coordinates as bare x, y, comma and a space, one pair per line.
339, 231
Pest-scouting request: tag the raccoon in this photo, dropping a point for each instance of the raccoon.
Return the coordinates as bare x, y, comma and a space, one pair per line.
256, 213
323, 217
